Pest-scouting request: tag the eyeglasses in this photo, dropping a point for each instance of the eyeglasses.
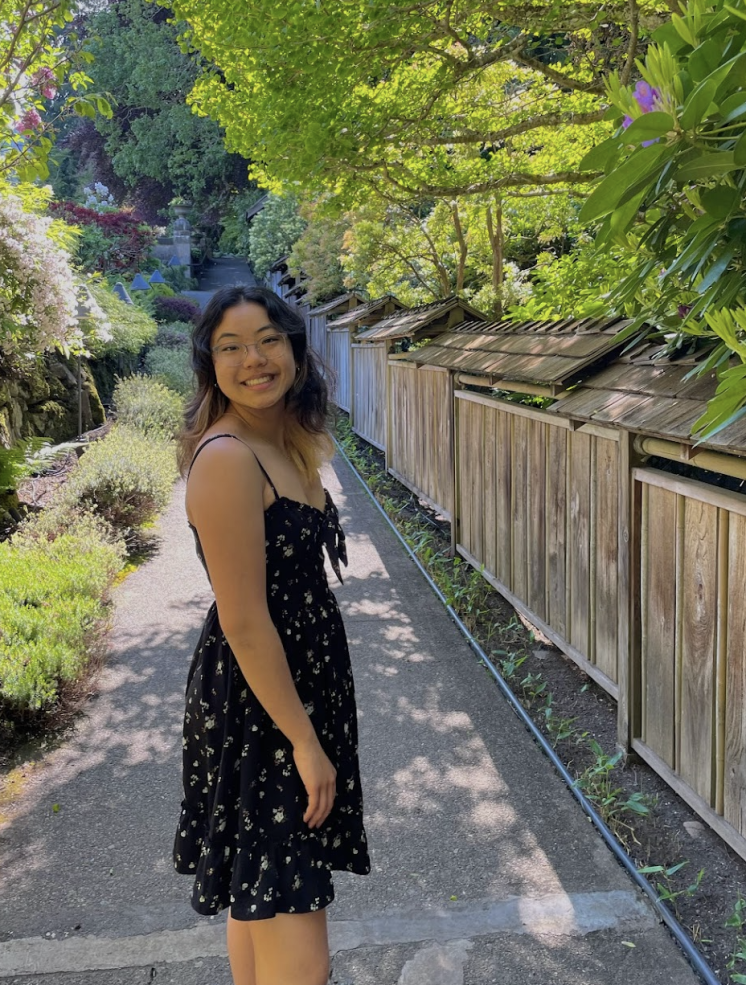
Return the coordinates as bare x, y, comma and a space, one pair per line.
234, 353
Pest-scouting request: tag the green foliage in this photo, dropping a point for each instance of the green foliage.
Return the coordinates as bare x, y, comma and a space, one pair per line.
130, 327
55, 575
579, 284
317, 253
148, 405
126, 476
414, 100
171, 366
672, 194
153, 136
235, 235
23, 459
737, 959
273, 232
38, 55
609, 799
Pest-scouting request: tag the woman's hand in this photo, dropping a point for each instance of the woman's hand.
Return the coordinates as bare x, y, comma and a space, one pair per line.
319, 779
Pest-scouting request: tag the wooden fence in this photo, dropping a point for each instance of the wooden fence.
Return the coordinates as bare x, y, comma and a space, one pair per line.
420, 447
369, 392
538, 511
317, 334
636, 574
339, 359
688, 704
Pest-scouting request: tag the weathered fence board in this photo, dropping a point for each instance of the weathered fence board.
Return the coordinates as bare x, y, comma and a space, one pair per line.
369, 393
420, 452
693, 645
658, 591
338, 358
734, 719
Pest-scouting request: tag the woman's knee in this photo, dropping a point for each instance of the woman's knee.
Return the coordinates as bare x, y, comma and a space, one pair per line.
292, 950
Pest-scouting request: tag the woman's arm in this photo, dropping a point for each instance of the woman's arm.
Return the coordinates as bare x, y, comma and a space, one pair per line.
224, 499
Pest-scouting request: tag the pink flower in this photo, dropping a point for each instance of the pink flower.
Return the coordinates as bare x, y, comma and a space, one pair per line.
44, 81
29, 121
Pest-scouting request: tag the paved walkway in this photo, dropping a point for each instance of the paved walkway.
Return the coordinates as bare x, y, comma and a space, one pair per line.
484, 868
222, 272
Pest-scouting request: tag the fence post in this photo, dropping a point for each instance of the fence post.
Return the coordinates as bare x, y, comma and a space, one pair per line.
455, 515
628, 629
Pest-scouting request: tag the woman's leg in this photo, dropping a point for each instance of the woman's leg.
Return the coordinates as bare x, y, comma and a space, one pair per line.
291, 949
241, 952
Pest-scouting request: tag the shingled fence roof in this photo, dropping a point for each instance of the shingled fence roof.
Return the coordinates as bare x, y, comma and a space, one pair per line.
642, 391
438, 316
548, 353
365, 312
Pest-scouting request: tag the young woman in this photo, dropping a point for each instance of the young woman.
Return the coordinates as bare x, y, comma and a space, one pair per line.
272, 798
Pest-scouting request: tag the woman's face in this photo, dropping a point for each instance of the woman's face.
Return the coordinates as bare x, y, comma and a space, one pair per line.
257, 377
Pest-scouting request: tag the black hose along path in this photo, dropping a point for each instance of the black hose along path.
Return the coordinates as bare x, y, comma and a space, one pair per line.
694, 957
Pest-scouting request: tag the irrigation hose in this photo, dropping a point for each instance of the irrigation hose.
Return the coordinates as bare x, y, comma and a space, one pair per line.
694, 957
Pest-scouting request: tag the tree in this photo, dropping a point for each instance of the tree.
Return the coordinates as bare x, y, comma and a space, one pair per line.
439, 99
672, 198
273, 232
38, 54
153, 137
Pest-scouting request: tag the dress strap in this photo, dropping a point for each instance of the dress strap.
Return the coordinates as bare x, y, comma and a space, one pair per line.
228, 435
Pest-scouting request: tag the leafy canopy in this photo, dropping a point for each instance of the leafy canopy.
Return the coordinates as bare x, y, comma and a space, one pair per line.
438, 99
673, 192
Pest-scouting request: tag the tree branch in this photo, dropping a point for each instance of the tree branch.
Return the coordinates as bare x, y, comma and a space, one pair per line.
560, 80
634, 31
547, 120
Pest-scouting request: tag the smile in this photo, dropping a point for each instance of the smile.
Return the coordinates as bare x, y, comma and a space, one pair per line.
258, 381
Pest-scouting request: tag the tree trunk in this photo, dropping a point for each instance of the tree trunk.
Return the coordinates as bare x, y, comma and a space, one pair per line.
495, 233
462, 248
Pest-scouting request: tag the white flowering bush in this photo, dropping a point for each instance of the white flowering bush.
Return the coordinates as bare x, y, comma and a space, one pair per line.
38, 301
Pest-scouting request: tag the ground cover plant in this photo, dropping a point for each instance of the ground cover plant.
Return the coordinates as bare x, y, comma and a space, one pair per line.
56, 573
701, 879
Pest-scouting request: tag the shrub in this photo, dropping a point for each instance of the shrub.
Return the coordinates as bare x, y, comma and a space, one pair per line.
130, 327
127, 477
172, 366
112, 241
173, 335
148, 405
176, 309
55, 575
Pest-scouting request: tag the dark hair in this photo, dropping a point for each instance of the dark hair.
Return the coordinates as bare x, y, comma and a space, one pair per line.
307, 400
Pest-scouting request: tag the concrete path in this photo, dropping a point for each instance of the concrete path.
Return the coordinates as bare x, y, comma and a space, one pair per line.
222, 272
484, 868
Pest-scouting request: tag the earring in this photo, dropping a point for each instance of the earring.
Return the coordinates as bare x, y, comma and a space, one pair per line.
297, 370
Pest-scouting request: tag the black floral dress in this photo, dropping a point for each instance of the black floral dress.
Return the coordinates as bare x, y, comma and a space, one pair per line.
241, 833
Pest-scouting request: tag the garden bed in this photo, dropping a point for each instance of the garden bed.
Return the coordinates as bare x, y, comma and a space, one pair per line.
655, 827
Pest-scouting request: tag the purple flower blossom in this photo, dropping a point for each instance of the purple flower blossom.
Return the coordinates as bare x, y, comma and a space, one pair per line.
647, 98
646, 95
683, 310
29, 121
